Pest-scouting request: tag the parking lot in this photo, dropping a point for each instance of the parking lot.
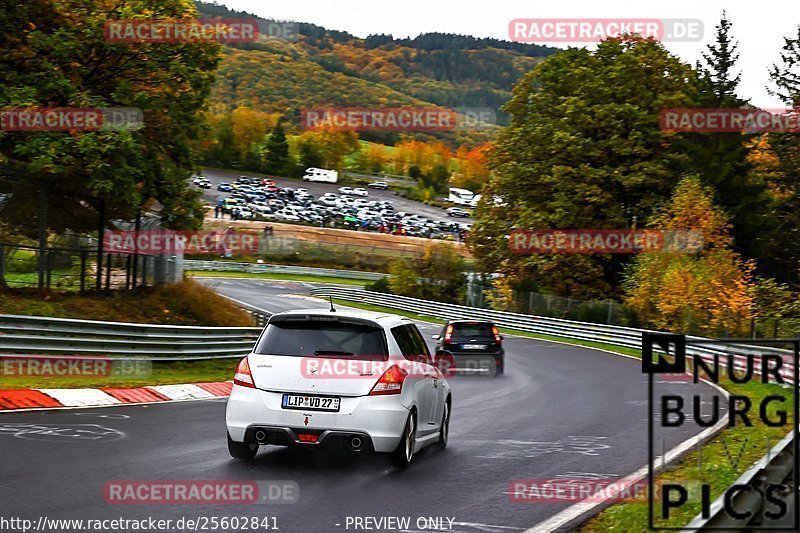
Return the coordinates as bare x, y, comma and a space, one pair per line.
327, 205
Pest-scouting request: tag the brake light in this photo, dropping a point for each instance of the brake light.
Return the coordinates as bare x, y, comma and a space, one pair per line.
391, 382
497, 338
307, 437
448, 334
243, 376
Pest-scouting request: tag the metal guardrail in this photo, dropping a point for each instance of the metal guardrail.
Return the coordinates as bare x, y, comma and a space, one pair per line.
261, 268
45, 335
609, 334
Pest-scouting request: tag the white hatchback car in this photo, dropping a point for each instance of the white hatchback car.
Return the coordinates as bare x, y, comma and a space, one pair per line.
354, 379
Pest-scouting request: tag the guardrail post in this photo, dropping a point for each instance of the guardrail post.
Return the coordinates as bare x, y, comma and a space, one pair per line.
3, 283
83, 270
108, 272
49, 266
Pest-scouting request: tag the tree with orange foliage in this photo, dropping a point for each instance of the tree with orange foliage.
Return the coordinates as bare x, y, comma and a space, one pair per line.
424, 155
472, 172
708, 292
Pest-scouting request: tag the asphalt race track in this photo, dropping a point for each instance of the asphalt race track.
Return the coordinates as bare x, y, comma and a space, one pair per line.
558, 410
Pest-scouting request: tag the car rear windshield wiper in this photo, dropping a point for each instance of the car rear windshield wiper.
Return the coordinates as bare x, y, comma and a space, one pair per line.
331, 352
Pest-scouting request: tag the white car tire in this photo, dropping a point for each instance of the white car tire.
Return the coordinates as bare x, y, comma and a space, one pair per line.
444, 432
242, 450
404, 453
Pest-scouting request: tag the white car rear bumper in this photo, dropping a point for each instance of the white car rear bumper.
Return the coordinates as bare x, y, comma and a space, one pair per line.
381, 418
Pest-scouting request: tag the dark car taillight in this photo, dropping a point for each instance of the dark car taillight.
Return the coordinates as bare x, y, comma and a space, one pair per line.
497, 337
448, 334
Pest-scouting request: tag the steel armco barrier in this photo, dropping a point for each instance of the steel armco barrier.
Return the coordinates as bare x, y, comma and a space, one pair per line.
46, 336
616, 335
262, 268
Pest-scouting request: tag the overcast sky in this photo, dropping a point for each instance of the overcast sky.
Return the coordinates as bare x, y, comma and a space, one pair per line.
759, 26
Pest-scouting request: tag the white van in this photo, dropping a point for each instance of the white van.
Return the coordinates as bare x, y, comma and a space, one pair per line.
320, 174
460, 196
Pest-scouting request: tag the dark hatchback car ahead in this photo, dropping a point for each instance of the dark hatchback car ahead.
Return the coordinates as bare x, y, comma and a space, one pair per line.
476, 345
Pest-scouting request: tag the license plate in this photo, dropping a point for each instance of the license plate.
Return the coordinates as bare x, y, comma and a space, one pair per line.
473, 346
311, 403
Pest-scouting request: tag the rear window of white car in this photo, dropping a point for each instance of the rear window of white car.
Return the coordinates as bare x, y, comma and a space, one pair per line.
305, 338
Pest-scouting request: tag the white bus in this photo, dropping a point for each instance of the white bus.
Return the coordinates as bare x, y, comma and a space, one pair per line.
460, 196
320, 174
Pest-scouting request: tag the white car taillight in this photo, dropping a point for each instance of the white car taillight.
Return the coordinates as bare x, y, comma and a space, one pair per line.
243, 376
391, 382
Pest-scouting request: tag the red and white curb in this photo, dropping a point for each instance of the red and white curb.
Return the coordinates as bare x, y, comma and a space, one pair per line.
31, 399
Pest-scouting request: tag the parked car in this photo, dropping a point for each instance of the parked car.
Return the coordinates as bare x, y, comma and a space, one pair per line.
226, 187
345, 190
360, 191
457, 212
378, 185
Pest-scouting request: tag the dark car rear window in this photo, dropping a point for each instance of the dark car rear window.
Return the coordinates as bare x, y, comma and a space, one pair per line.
330, 339
472, 330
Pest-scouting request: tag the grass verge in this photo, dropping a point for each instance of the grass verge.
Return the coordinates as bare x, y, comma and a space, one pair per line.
166, 373
185, 303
